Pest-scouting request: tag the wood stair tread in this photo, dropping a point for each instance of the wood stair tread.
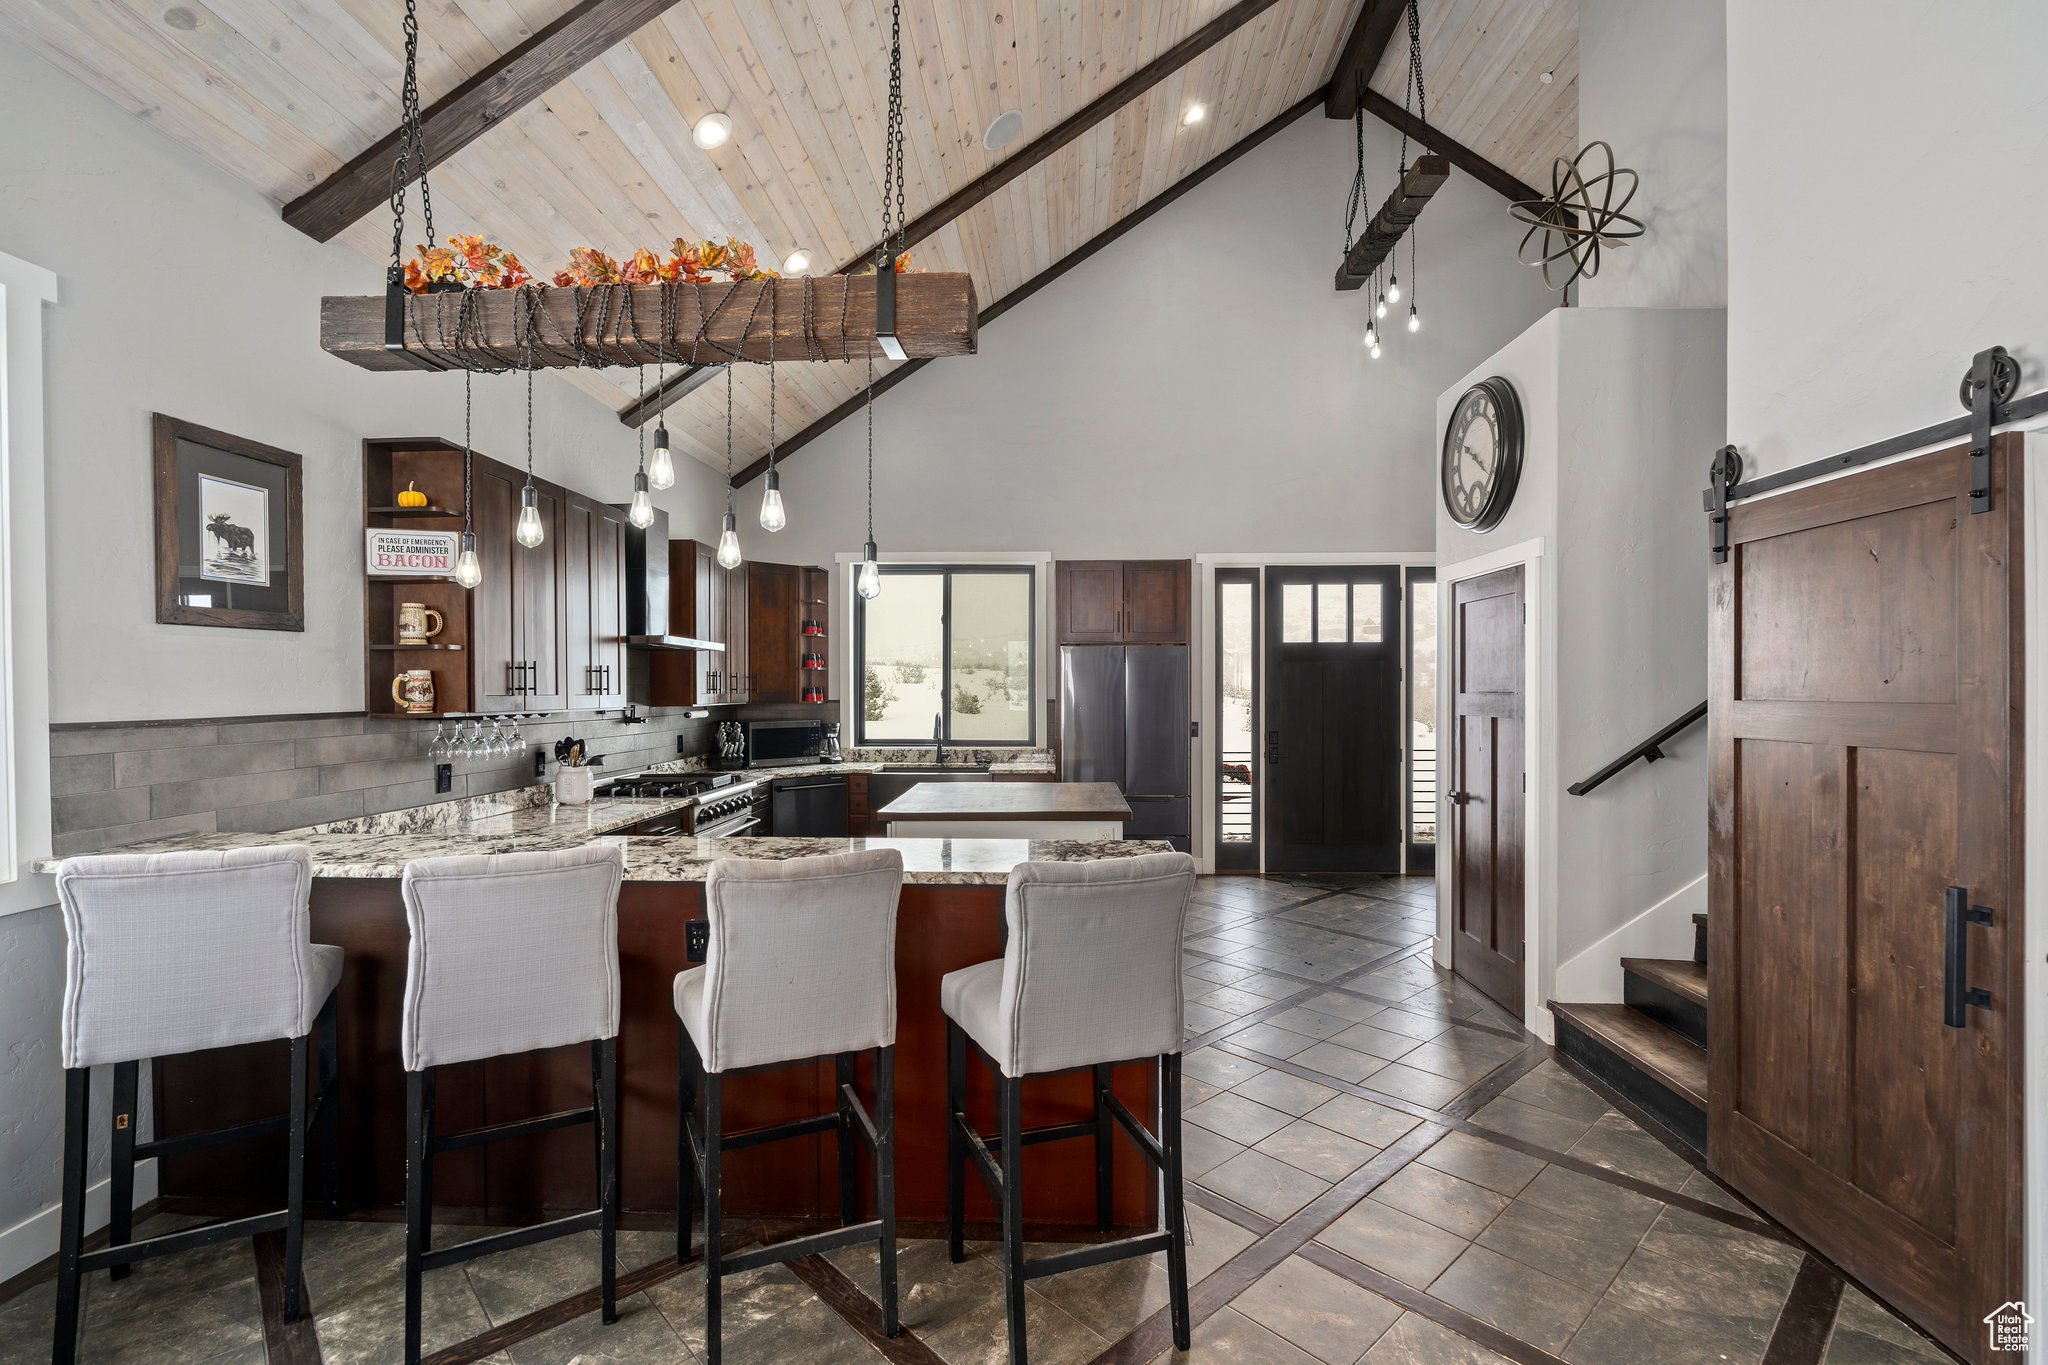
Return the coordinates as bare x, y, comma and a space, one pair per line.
1647, 1044
1699, 917
1679, 975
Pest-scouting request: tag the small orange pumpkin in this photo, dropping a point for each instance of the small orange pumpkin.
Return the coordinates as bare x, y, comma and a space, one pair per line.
412, 497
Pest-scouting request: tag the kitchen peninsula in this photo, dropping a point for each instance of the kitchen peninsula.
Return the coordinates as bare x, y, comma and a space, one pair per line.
950, 916
1008, 810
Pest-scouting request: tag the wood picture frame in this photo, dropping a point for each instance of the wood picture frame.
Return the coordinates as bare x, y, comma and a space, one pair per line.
229, 525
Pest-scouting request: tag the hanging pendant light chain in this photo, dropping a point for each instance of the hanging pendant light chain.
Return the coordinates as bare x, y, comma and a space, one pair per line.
466, 451
1413, 85
769, 286
641, 431
411, 147
1360, 199
728, 438
871, 447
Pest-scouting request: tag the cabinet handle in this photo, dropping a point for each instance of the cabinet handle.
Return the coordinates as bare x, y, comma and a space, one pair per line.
1957, 996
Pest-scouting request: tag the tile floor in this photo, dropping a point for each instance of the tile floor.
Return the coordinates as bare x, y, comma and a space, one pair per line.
1378, 1175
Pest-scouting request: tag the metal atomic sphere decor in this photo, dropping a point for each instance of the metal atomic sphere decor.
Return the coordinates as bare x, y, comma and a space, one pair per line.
1582, 215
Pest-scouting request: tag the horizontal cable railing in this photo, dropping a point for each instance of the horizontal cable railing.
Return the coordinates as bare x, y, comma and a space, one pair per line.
1422, 797
1649, 751
1234, 796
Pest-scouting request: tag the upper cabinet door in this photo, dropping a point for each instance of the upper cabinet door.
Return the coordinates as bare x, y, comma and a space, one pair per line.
494, 603
773, 632
608, 604
1155, 602
538, 576
578, 530
739, 678
1091, 602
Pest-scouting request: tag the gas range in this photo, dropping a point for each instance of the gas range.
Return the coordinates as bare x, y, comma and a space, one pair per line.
720, 805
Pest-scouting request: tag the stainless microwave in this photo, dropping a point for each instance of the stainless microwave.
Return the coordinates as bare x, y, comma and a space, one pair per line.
788, 743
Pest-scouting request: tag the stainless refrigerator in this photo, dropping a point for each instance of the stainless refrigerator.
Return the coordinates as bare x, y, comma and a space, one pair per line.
1124, 719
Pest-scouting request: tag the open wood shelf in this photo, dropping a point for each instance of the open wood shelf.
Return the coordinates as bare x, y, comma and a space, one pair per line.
405, 649
426, 513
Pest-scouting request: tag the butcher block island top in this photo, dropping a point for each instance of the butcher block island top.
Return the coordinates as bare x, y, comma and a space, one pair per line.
1009, 801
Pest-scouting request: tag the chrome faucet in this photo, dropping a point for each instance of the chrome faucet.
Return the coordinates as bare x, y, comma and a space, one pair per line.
938, 739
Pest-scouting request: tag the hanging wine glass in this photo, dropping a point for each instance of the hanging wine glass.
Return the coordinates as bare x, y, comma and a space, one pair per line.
437, 744
473, 740
515, 743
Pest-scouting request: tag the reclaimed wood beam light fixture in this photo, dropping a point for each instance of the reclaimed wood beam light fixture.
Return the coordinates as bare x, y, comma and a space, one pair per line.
1383, 233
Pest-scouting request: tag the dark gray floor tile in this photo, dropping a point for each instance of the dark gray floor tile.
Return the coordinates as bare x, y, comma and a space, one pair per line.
1230, 1338
1240, 1119
1450, 1203
1545, 1127
1307, 1021
1416, 1340
1271, 1040
1866, 1334
1551, 1087
1375, 1041
1109, 1300
1720, 1297
1500, 1169
1327, 1316
641, 1334
1519, 1299
1590, 1198
1220, 1069
1619, 1145
1287, 1093
1202, 1150
1614, 1335
1585, 1252
1344, 1006
1263, 1184
1417, 1087
1338, 1062
1400, 1244
1684, 1235
1362, 1119
1313, 1148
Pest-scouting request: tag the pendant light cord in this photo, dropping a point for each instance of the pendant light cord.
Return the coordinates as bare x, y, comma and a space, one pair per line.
769, 286
871, 447
728, 438
466, 451
640, 372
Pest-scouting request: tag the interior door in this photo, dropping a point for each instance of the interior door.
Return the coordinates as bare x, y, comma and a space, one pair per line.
1866, 758
1487, 776
1333, 719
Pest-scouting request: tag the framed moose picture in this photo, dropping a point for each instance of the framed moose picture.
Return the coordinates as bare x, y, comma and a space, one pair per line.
230, 541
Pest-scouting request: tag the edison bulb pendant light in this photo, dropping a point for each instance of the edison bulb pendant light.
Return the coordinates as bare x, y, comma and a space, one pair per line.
869, 583
1414, 319
1394, 289
529, 532
773, 518
1380, 309
729, 543
661, 469
468, 573
641, 513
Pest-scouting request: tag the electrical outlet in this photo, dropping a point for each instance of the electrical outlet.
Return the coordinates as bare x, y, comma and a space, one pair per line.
444, 777
540, 763
696, 939
679, 744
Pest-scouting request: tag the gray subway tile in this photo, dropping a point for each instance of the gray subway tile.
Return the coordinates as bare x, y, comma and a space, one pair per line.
98, 810
219, 793
114, 739
375, 742
264, 731
280, 815
75, 774
148, 767
95, 840
382, 772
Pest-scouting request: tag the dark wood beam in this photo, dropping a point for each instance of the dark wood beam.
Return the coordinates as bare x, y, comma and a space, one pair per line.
1024, 291
473, 109
1447, 147
990, 182
1402, 208
1361, 53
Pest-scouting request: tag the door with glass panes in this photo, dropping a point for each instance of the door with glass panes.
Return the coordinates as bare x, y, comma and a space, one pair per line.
1332, 744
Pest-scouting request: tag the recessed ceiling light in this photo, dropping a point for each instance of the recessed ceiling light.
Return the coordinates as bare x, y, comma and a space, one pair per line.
797, 262
1004, 130
713, 130
1547, 77
1194, 115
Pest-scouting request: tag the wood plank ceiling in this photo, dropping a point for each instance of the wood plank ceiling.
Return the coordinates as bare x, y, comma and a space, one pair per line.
281, 93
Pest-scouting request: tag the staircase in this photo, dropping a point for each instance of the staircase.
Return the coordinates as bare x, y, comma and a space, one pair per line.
1653, 1047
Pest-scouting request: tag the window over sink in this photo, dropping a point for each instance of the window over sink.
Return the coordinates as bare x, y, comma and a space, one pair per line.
951, 643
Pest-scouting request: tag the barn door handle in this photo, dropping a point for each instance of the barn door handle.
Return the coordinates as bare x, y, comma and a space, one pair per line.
1956, 992
1461, 798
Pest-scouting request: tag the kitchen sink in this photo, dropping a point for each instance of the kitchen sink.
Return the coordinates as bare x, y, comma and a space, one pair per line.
959, 771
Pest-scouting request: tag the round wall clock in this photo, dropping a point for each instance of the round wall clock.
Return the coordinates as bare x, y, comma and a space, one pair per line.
1482, 455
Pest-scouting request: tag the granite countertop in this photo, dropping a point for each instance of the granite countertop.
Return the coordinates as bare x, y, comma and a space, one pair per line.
1009, 801
926, 862
605, 815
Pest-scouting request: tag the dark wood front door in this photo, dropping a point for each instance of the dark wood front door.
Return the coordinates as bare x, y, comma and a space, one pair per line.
1333, 719
1487, 781
1866, 757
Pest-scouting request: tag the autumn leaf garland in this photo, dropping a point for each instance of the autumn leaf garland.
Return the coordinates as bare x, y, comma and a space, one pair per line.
472, 263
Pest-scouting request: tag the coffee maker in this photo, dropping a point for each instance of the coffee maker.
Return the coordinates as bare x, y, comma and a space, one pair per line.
832, 754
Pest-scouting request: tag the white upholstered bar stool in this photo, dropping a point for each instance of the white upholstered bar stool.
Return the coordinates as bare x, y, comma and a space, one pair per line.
181, 952
1090, 976
511, 953
801, 965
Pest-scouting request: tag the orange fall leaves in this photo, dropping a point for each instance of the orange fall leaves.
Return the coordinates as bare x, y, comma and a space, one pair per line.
472, 263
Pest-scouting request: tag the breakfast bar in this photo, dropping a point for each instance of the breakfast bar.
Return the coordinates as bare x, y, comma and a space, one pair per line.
950, 915
1008, 810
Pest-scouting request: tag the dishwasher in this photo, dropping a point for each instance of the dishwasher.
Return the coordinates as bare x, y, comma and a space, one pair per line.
809, 808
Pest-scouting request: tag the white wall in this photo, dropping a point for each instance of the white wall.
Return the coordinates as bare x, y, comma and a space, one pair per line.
1653, 81
182, 292
1884, 215
1196, 386
1617, 403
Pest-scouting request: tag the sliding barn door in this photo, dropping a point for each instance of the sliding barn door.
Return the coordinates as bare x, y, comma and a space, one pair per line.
1865, 671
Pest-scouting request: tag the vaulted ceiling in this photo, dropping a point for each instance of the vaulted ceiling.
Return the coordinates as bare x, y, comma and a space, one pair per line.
280, 94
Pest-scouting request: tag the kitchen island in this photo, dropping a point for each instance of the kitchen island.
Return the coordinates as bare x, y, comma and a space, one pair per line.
1008, 810
950, 916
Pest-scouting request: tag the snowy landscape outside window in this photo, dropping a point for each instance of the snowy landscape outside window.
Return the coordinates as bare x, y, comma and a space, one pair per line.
947, 642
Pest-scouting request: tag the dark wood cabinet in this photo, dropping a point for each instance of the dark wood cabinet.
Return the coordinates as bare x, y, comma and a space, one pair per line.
813, 619
594, 619
739, 678
1123, 602
517, 609
774, 593
696, 607
757, 612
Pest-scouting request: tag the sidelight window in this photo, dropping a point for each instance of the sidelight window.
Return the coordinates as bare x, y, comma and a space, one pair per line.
947, 644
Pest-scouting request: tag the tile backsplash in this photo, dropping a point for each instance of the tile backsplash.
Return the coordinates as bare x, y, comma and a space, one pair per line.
120, 784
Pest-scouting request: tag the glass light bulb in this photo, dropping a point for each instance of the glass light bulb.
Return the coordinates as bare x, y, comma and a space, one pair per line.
1394, 289
468, 572
641, 512
528, 532
729, 544
773, 518
661, 467
869, 584
711, 131
1380, 309
1375, 350
1414, 319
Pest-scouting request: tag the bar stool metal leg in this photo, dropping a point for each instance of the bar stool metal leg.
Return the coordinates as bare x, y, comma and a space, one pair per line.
849, 1167
295, 1180
1175, 1207
956, 1142
1105, 1153
121, 1163
885, 1179
713, 1301
419, 1127
327, 1030
687, 1069
71, 1212
604, 1080
1010, 1092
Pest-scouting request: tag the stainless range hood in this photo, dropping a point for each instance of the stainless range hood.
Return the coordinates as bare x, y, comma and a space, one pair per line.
647, 589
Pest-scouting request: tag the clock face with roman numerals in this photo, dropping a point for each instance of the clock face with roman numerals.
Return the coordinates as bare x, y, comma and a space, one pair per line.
1482, 458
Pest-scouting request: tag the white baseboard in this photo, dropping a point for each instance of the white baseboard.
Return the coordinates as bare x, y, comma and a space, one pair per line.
1664, 930
34, 1238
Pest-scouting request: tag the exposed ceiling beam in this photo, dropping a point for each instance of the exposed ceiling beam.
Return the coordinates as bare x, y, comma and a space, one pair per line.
1024, 291
990, 182
473, 109
1402, 208
1361, 53
1451, 150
